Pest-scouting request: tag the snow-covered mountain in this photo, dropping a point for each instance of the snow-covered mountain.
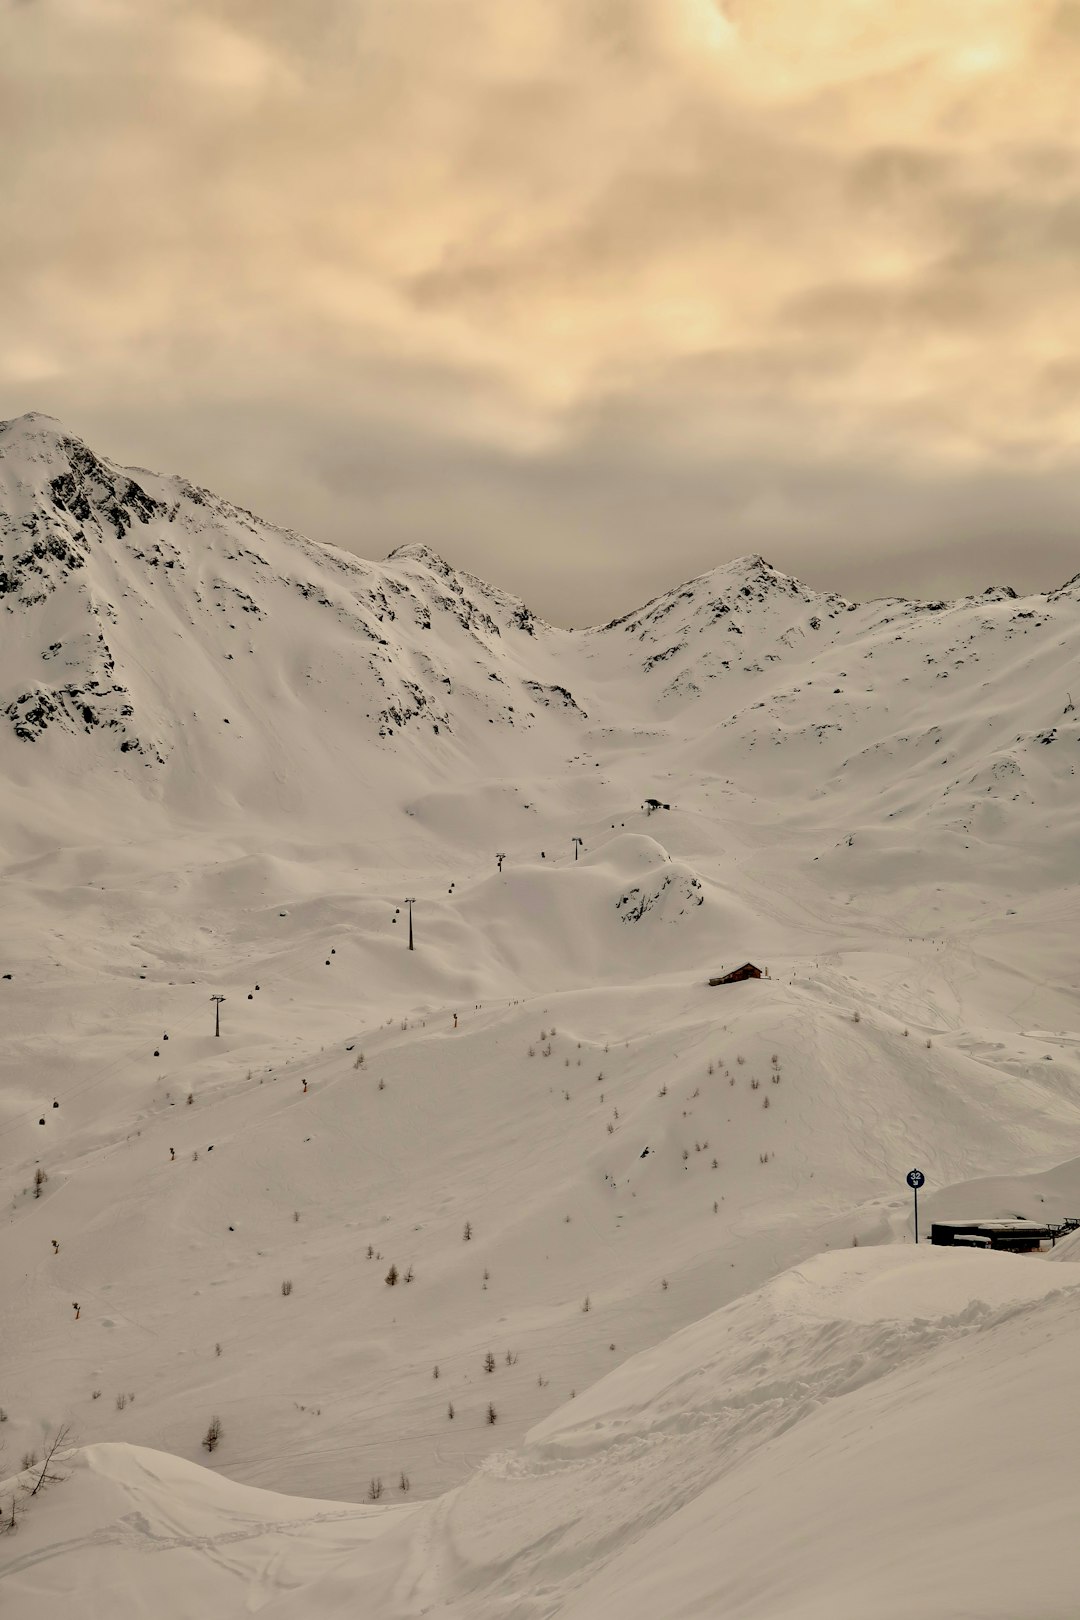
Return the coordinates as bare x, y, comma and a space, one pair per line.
230, 757
158, 636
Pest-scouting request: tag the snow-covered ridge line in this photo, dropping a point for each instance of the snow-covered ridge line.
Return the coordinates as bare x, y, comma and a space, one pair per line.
151, 627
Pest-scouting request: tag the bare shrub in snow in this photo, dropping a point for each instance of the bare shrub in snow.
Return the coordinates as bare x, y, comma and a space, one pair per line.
286, 1287
492, 1415
489, 1362
392, 1275
375, 1490
467, 1233
213, 1434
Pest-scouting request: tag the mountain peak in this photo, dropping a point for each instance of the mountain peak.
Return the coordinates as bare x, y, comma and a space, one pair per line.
416, 551
32, 422
33, 428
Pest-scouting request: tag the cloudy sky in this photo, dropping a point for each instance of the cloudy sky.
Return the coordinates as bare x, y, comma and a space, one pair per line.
590, 295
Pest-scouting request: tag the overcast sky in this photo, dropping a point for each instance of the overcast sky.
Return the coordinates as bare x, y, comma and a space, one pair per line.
589, 295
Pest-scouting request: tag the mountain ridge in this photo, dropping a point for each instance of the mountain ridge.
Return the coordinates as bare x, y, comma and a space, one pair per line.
188, 659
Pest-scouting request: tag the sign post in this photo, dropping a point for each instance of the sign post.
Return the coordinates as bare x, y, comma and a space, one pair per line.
915, 1179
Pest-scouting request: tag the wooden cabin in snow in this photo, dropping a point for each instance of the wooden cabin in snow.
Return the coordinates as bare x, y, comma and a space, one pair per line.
747, 971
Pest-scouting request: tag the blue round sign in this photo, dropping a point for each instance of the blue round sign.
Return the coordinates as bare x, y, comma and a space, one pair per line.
915, 1178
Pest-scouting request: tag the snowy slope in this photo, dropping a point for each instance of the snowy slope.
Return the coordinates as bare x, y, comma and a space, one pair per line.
229, 754
874, 1430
